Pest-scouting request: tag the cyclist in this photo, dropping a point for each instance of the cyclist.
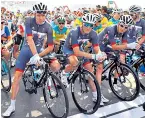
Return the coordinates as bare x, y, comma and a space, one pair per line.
60, 31
116, 17
135, 11
137, 33
116, 36
36, 29
72, 47
98, 26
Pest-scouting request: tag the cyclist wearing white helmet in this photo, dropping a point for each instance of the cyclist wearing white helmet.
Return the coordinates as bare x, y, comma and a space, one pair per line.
116, 16
72, 47
116, 36
98, 26
36, 30
135, 11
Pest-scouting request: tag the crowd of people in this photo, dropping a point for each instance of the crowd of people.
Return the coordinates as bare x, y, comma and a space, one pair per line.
35, 32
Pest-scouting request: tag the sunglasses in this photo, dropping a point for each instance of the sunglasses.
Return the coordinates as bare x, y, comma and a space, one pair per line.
61, 23
123, 26
88, 25
41, 12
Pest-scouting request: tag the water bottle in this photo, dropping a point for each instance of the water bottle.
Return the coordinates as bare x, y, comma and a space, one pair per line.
37, 73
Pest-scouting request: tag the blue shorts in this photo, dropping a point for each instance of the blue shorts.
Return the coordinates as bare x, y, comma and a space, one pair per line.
70, 52
24, 57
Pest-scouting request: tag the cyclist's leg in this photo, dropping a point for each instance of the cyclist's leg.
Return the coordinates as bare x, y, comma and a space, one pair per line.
20, 66
55, 65
122, 59
87, 65
72, 60
23, 58
99, 71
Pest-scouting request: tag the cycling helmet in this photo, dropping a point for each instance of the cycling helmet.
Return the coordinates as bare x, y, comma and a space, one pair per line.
98, 17
40, 8
126, 19
29, 12
135, 9
61, 19
89, 18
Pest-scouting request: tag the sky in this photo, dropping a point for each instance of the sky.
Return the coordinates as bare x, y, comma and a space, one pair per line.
73, 4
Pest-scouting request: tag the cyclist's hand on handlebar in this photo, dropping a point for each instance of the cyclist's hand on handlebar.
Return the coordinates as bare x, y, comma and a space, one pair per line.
35, 60
132, 45
100, 57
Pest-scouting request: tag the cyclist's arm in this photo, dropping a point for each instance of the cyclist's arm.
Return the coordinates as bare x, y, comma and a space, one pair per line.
49, 43
142, 40
77, 52
120, 46
76, 49
29, 36
95, 42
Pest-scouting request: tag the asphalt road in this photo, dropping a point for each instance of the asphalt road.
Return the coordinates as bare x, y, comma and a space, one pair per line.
33, 106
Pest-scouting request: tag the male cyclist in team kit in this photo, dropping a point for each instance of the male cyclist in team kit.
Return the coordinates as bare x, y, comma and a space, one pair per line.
139, 24
36, 30
72, 47
116, 36
137, 32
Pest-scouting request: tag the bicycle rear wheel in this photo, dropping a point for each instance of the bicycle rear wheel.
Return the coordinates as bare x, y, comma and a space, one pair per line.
56, 99
128, 85
5, 76
139, 73
82, 92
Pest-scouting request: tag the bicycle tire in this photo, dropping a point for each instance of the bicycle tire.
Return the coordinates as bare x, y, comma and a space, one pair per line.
97, 103
65, 97
136, 81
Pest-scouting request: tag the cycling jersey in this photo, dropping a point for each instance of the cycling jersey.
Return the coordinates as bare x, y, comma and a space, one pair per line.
104, 21
39, 32
75, 39
78, 22
98, 29
110, 36
113, 21
136, 31
60, 34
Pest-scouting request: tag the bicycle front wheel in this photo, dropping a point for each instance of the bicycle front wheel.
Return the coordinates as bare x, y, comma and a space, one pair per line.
5, 76
55, 97
83, 86
127, 87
